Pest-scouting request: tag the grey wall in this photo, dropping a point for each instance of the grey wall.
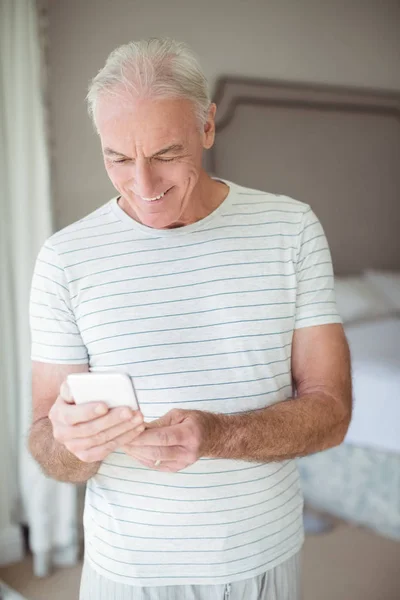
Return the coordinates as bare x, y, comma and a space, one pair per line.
350, 42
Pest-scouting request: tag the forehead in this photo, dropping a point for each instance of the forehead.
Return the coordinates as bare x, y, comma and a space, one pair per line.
145, 121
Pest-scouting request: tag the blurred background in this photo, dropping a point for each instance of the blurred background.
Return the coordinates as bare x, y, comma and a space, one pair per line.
308, 96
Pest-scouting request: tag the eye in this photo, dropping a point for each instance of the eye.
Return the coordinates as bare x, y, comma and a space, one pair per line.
120, 160
165, 159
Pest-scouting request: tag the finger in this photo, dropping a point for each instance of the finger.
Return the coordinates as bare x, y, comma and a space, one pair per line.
171, 466
164, 421
162, 436
107, 436
114, 417
100, 452
66, 393
155, 453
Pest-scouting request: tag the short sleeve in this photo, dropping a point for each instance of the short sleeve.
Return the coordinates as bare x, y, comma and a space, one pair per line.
315, 296
55, 336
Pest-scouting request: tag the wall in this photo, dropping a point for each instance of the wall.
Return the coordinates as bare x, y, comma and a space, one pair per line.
351, 43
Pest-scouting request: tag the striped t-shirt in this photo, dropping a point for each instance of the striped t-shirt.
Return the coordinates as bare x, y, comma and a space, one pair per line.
201, 317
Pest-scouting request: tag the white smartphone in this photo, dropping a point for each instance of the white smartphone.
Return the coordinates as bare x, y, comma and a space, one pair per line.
115, 389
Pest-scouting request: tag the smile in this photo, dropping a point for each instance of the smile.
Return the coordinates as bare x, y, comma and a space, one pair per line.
155, 197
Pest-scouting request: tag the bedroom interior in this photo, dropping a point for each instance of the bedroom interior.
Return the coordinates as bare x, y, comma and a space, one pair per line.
313, 95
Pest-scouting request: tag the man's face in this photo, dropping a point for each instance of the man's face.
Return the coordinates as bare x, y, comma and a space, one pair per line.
154, 147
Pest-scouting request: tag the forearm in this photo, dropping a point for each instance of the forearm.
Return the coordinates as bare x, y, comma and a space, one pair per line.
288, 429
56, 461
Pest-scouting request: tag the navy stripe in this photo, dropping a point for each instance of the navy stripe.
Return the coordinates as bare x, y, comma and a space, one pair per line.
106, 210
184, 314
201, 512
263, 364
56, 332
153, 403
171, 260
312, 266
143, 250
270, 201
208, 551
40, 260
200, 385
232, 337
300, 262
48, 306
51, 318
60, 345
142, 537
196, 298
52, 281
137, 362
129, 333
327, 275
316, 316
107, 463
316, 222
312, 303
180, 499
321, 235
35, 289
202, 231
193, 487
196, 576
234, 522
175, 274
174, 287
263, 212
329, 289
89, 237
62, 233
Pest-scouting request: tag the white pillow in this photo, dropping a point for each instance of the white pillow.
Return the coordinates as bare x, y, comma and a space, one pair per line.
388, 284
358, 299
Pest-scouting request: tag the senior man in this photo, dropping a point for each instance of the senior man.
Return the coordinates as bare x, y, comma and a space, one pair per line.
218, 301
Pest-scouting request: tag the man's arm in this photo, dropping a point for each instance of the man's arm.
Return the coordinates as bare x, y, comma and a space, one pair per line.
317, 419
54, 458
69, 441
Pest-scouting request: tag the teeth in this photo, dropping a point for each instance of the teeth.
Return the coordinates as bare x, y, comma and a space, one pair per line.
152, 199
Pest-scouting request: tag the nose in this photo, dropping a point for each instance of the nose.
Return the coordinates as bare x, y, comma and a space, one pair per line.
146, 180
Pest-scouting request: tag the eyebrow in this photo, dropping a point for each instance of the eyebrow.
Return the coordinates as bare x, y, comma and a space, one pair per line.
174, 148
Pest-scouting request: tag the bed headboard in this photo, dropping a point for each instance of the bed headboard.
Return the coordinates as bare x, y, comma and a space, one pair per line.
337, 149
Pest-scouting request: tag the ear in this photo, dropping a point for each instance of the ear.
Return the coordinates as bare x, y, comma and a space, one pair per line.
209, 127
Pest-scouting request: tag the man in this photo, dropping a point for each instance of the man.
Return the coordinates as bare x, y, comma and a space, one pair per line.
214, 298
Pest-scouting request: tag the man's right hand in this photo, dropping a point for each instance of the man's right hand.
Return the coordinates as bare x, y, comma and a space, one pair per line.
92, 431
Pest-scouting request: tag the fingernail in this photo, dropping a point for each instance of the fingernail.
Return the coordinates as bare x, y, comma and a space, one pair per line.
125, 414
100, 410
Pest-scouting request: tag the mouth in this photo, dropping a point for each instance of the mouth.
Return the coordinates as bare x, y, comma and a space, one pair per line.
157, 199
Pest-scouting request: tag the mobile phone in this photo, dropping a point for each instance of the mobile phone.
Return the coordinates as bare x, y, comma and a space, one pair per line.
115, 389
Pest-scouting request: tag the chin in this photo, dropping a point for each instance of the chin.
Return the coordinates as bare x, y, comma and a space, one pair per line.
159, 221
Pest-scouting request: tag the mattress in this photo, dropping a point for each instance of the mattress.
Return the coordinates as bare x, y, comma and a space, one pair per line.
375, 352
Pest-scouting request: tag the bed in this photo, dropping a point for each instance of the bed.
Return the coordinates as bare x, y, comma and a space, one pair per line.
338, 150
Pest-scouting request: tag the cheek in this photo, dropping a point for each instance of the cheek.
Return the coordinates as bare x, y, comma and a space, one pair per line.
118, 175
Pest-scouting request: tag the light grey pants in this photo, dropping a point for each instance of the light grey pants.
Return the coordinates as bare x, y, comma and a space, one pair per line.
280, 583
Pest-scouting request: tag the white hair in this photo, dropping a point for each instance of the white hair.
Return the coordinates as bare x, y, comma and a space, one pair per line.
154, 68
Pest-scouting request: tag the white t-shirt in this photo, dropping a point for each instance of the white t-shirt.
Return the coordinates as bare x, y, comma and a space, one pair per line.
201, 317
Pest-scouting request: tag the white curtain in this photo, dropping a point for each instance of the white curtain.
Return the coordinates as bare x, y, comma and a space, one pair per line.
48, 507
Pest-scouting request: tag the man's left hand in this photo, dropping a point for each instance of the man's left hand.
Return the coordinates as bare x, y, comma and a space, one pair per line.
175, 441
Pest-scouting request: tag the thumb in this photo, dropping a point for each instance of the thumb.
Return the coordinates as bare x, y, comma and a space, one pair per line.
173, 417
65, 393
163, 421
